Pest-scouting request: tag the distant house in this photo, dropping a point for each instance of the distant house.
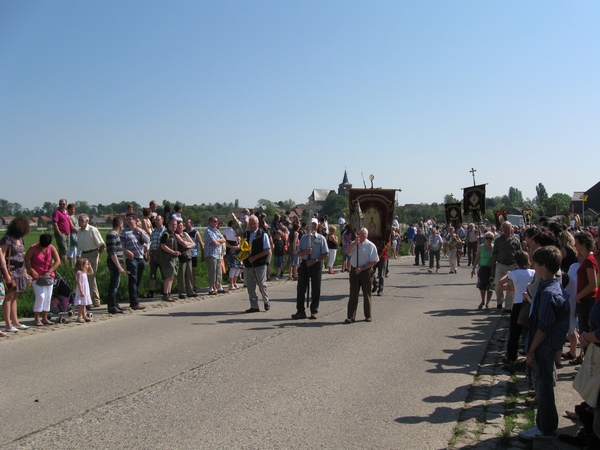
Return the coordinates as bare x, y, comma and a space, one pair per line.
101, 220
591, 203
6, 220
296, 212
45, 221
318, 196
33, 222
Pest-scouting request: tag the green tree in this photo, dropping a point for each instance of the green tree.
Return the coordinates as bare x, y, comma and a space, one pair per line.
263, 203
450, 198
515, 196
82, 207
48, 208
335, 205
542, 194
558, 204
287, 205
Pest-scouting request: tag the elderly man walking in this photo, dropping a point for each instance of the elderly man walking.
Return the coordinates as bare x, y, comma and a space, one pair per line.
92, 245
256, 265
363, 257
313, 251
503, 261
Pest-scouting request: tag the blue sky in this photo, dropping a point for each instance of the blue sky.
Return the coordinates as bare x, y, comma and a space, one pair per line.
212, 101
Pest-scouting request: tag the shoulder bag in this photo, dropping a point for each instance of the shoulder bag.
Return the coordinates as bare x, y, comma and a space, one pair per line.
587, 381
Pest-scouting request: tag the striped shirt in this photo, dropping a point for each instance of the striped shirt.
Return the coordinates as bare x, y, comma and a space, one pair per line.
113, 245
210, 235
155, 238
134, 241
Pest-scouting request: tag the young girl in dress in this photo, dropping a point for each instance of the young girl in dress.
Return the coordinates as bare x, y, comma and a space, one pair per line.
83, 268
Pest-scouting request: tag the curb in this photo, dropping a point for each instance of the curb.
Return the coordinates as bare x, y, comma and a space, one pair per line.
496, 395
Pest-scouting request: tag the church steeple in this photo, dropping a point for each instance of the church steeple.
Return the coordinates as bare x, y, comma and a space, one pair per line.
344, 185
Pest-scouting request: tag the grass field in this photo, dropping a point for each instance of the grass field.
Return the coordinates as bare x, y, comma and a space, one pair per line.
26, 299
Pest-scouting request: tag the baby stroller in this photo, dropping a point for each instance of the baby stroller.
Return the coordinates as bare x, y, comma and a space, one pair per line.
62, 300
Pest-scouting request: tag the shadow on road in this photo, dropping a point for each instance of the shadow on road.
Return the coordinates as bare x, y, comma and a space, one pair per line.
441, 414
461, 360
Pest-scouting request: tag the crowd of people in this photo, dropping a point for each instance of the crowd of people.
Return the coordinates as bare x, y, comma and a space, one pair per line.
167, 243
545, 275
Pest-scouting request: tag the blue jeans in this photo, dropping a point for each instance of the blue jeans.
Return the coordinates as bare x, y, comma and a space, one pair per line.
136, 270
547, 416
113, 284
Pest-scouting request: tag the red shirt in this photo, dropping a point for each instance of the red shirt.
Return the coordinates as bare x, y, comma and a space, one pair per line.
582, 277
61, 218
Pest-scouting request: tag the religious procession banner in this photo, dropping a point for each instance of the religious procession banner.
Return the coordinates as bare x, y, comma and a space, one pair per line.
528, 217
474, 201
501, 216
453, 214
376, 209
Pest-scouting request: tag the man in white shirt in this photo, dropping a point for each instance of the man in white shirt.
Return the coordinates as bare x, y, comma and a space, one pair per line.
363, 257
91, 245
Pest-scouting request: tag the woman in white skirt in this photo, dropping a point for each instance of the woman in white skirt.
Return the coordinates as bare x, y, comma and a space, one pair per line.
41, 260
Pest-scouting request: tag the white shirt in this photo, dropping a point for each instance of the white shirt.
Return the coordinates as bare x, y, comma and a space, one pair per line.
367, 252
521, 278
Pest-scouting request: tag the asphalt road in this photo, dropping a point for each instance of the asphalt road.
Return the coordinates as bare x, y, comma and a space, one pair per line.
205, 375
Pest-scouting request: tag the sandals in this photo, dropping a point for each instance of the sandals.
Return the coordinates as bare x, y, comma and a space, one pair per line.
576, 361
80, 320
480, 306
568, 355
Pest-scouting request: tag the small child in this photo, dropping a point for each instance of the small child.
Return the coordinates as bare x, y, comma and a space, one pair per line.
83, 268
548, 326
278, 252
519, 278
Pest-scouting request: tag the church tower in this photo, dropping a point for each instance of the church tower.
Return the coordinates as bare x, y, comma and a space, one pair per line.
344, 186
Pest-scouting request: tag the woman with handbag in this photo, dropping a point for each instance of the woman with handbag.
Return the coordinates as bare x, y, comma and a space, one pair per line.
13, 246
41, 260
592, 338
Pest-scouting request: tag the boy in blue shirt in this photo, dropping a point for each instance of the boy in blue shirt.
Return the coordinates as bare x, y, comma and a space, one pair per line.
548, 326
